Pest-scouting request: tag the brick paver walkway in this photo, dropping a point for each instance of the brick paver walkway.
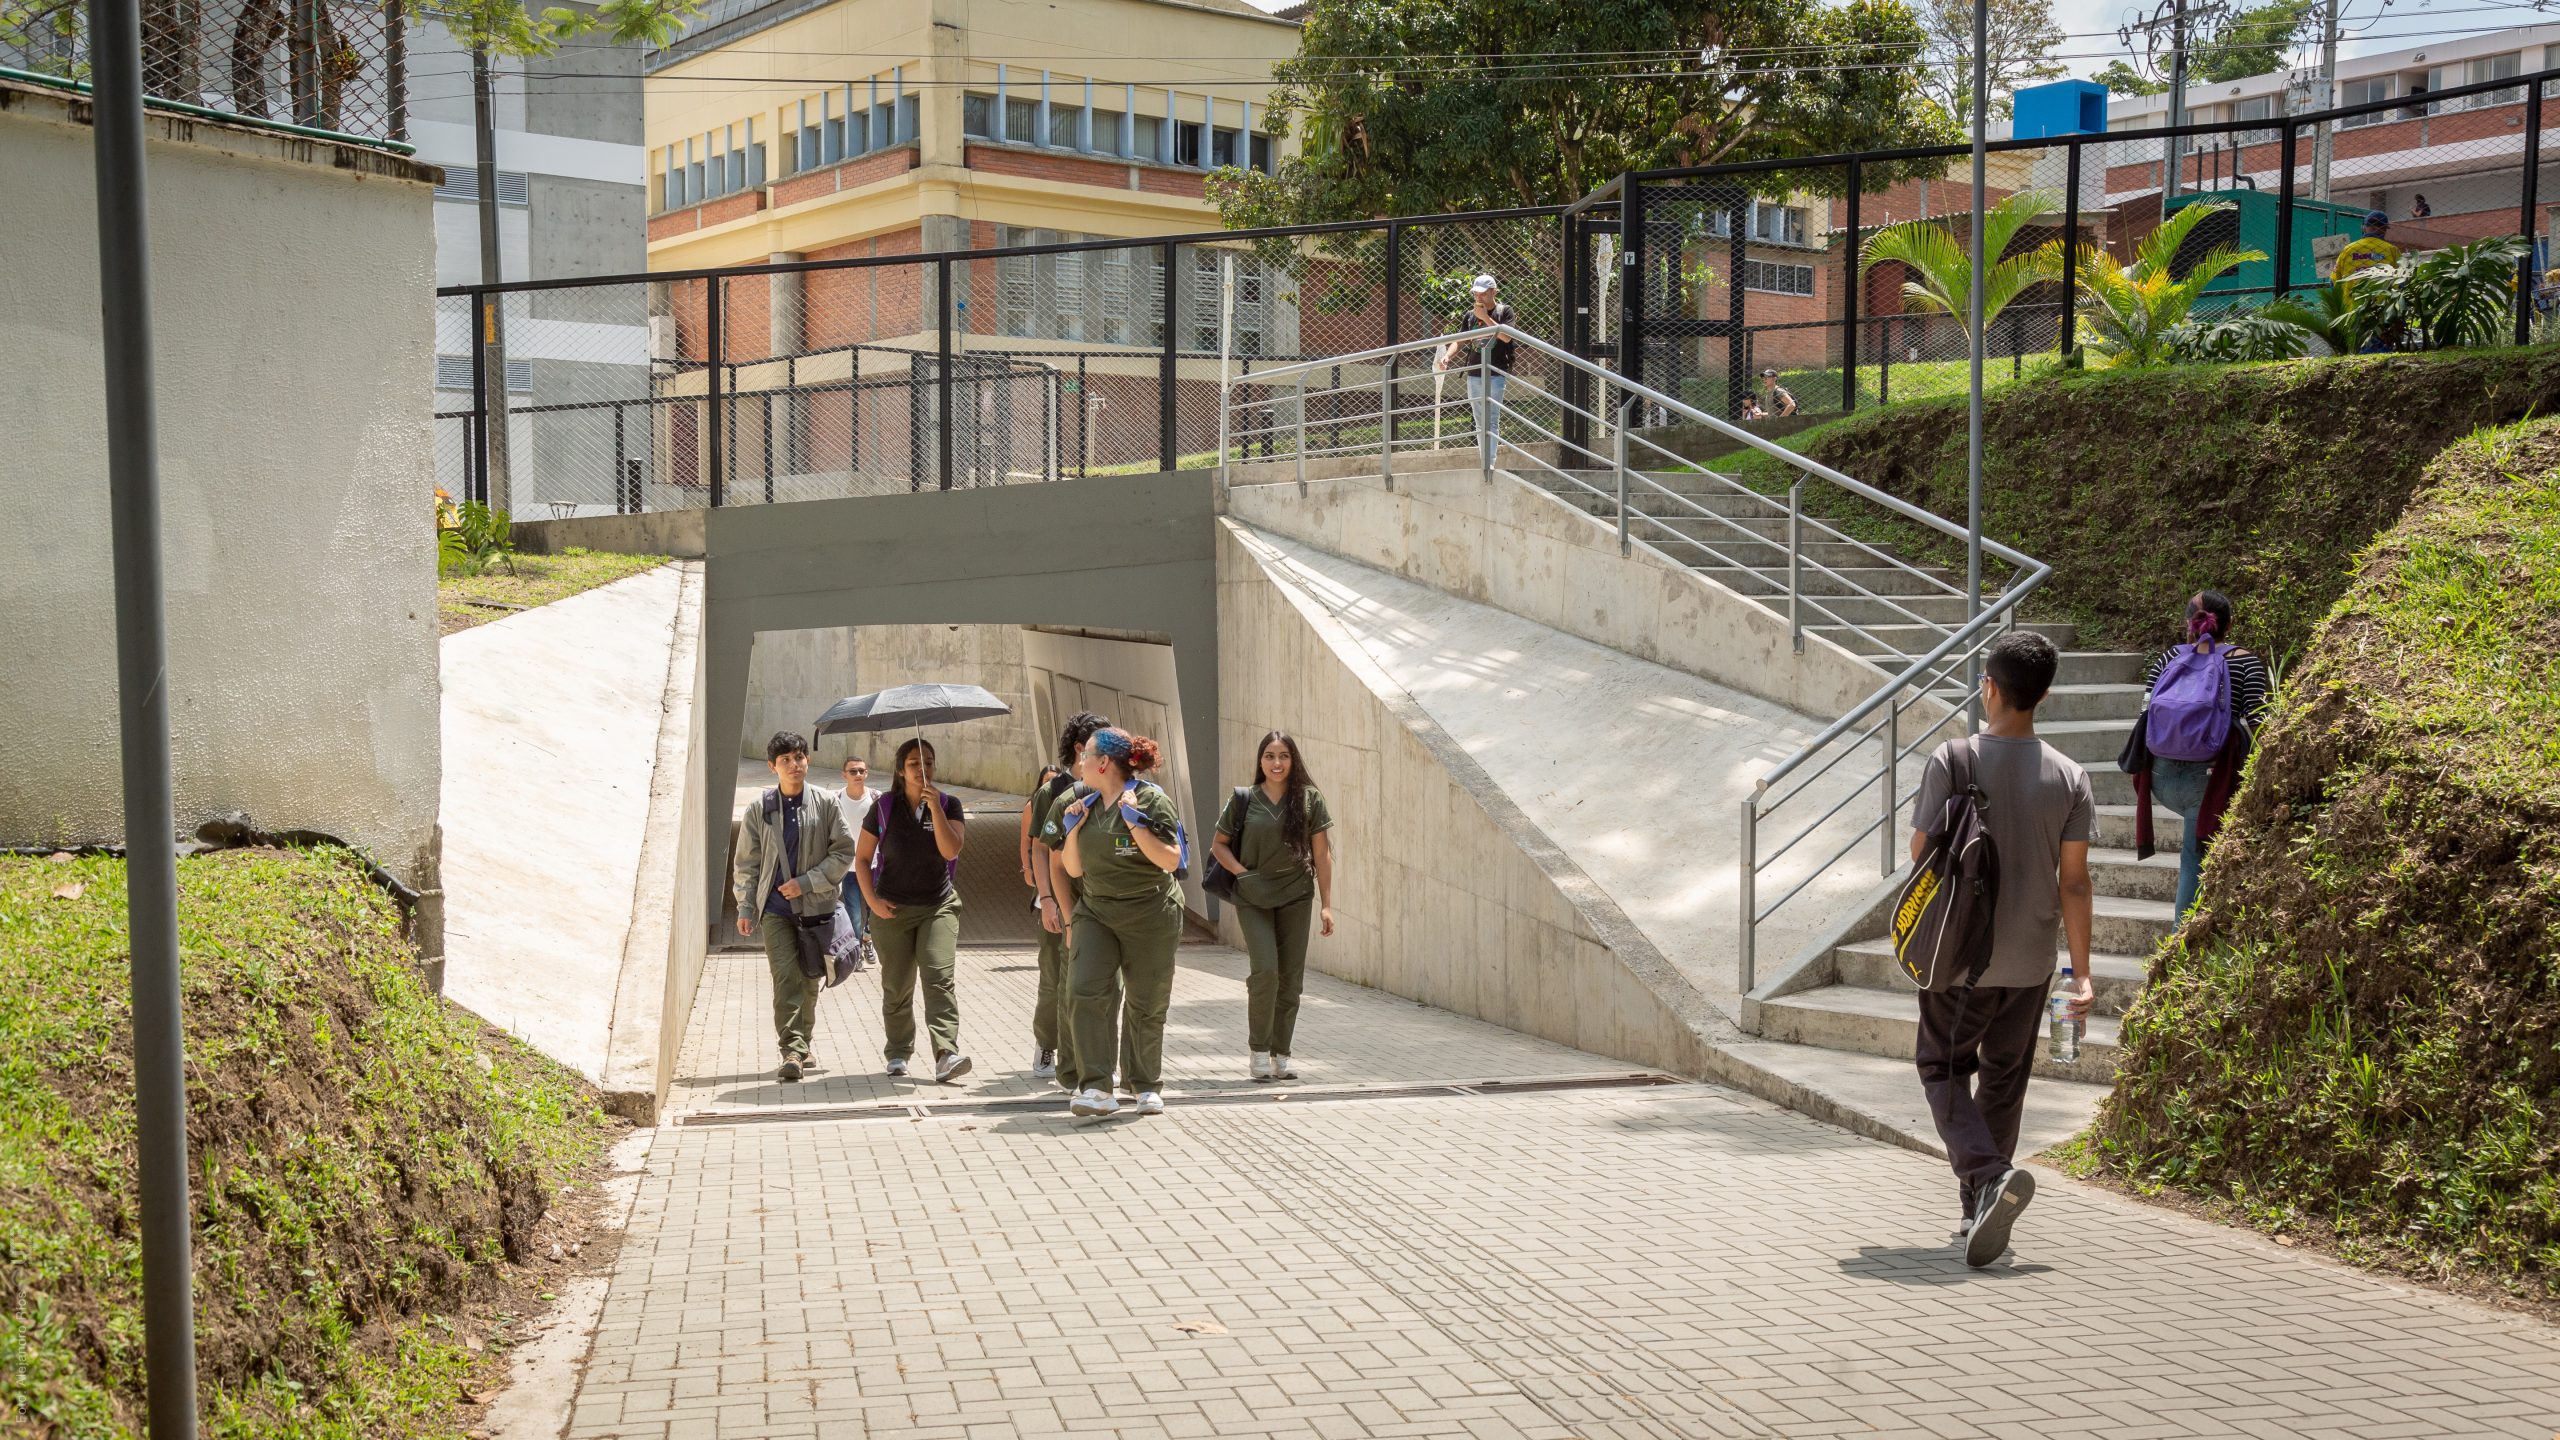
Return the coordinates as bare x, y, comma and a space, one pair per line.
1671, 1261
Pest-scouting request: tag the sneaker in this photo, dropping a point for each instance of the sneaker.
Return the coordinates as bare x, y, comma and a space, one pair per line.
1092, 1101
1044, 1064
1150, 1103
898, 1068
1281, 1069
790, 1068
1262, 1065
950, 1067
2001, 1205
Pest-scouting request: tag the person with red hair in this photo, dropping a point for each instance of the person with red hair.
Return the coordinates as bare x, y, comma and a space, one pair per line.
1122, 843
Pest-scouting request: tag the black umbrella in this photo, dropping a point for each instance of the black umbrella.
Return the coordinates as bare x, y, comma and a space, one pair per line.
906, 707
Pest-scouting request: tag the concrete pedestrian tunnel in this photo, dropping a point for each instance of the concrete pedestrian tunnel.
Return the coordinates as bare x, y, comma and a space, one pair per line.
1536, 827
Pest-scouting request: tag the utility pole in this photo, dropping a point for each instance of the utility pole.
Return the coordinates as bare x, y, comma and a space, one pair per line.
142, 722
1973, 308
492, 317
2177, 98
2326, 97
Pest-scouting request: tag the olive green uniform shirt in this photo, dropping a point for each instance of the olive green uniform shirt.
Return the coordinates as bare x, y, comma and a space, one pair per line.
1274, 875
1120, 885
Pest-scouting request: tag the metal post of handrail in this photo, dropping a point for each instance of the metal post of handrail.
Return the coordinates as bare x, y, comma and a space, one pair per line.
1226, 348
1486, 424
1750, 877
2532, 201
1795, 564
1302, 429
1892, 779
1618, 444
714, 417
1387, 426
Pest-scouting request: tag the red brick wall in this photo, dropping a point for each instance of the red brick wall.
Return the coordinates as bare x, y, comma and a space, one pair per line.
1066, 169
848, 175
1188, 183
706, 214
844, 307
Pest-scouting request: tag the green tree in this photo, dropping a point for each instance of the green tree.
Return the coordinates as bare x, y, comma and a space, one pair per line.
1408, 107
1937, 263
2022, 38
2254, 41
2123, 79
2135, 308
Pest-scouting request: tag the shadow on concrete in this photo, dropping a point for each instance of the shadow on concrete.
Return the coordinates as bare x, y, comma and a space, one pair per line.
1927, 1266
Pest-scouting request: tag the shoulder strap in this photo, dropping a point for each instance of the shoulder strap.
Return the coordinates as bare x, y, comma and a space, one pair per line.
1231, 821
772, 802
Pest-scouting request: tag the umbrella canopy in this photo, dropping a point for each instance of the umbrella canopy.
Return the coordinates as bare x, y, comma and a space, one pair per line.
905, 707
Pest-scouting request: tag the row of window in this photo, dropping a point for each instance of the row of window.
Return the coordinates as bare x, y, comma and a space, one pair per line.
2369, 90
1777, 279
1119, 133
1116, 296
716, 164
1765, 221
830, 138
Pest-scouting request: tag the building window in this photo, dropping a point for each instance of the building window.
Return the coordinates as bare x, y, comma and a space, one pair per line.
1114, 265
1062, 125
1222, 148
1777, 279
1020, 116
1150, 138
1186, 143
2259, 107
907, 111
1106, 132
462, 182
1262, 156
977, 116
2365, 92
2493, 67
1777, 224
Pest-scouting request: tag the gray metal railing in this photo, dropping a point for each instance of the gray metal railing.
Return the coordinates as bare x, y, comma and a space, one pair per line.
1926, 696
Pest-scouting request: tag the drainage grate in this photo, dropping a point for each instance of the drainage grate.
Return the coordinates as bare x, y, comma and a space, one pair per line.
1258, 1095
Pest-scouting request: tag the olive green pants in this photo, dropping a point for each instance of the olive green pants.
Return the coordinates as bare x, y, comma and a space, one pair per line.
1275, 947
1050, 1026
926, 939
1135, 957
795, 996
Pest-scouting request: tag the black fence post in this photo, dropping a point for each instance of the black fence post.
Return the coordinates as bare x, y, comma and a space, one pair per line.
2071, 249
942, 374
767, 398
1737, 355
475, 480
1084, 407
1630, 281
853, 415
1575, 337
2525, 275
1167, 440
1395, 303
713, 426
2284, 211
621, 505
1851, 285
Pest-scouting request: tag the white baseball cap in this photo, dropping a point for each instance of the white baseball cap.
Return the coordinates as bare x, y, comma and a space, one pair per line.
1483, 283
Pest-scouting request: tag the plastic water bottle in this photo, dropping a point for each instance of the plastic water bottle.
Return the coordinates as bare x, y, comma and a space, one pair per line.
2065, 1048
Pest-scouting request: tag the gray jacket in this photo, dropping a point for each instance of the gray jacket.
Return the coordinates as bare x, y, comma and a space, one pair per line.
826, 852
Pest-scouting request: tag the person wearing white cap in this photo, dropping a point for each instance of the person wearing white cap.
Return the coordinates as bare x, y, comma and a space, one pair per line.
1487, 310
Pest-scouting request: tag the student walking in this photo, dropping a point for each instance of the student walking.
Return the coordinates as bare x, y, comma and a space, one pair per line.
2204, 699
1121, 843
908, 853
1486, 384
1276, 838
793, 848
856, 805
1978, 1042
1052, 1025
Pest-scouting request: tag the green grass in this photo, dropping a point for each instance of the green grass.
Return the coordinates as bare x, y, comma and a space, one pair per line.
1818, 389
535, 580
364, 1154
2142, 487
2358, 1035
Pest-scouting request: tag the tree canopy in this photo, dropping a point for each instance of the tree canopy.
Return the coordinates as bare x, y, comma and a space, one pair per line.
2122, 79
1408, 107
2254, 41
2022, 37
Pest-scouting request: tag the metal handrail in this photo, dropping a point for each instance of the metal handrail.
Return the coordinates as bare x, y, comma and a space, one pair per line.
1920, 682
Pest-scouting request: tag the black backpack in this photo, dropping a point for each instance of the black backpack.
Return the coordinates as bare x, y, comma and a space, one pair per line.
1942, 919
1218, 880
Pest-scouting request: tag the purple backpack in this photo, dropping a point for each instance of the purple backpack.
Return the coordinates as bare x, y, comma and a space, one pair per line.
2191, 704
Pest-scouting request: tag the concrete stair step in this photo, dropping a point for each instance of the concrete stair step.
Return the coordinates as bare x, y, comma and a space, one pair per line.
2099, 667
2113, 790
2090, 702
2116, 873
1887, 1023
1912, 640
1869, 965
2115, 826
2127, 925
2094, 743
1826, 578
1881, 1097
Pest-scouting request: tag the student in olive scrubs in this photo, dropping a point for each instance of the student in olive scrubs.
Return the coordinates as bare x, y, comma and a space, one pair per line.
915, 833
1052, 1026
1121, 844
1276, 839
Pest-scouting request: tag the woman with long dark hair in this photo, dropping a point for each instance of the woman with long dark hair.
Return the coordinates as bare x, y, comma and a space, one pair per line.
905, 859
1276, 838
1121, 842
2198, 728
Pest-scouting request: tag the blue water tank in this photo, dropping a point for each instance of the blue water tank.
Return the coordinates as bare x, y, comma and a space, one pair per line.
2064, 107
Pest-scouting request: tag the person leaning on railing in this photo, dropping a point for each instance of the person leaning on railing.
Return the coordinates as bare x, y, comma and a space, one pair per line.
1485, 384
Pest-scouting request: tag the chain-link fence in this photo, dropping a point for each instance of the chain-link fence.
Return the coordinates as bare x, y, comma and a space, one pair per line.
335, 65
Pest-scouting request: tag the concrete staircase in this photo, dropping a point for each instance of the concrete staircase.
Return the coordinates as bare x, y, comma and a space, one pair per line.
1851, 998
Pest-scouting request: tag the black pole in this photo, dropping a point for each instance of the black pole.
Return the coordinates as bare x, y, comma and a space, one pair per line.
1165, 373
853, 414
1084, 408
2532, 201
475, 479
497, 479
942, 375
1631, 279
1850, 278
1576, 338
621, 505
2071, 248
768, 446
1737, 360
712, 424
1395, 301
2284, 212
142, 703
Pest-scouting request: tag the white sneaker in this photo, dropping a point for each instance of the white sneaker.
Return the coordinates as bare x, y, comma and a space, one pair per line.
1091, 1101
1281, 1069
950, 1067
1261, 1064
1150, 1103
1044, 1065
898, 1069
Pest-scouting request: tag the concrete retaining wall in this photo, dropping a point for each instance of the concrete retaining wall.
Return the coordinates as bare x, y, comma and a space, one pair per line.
1443, 891
659, 532
1513, 546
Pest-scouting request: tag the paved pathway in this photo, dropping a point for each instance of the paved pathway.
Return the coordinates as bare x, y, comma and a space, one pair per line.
1678, 1260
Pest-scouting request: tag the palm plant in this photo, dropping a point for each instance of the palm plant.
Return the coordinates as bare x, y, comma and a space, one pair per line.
2326, 314
2137, 306
2237, 336
1938, 266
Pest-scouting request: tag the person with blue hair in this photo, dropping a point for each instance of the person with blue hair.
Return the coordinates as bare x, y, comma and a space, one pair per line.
1122, 843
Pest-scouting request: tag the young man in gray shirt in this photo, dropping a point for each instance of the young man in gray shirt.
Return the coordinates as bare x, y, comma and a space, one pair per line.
1978, 1043
793, 850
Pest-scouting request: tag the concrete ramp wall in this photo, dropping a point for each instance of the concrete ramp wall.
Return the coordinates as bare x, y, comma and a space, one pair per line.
1443, 891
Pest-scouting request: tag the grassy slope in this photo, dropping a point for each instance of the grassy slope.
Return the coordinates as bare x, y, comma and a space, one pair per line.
536, 580
2143, 487
2360, 1034
364, 1154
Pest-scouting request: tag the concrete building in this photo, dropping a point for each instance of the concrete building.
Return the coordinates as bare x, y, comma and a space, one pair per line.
572, 200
